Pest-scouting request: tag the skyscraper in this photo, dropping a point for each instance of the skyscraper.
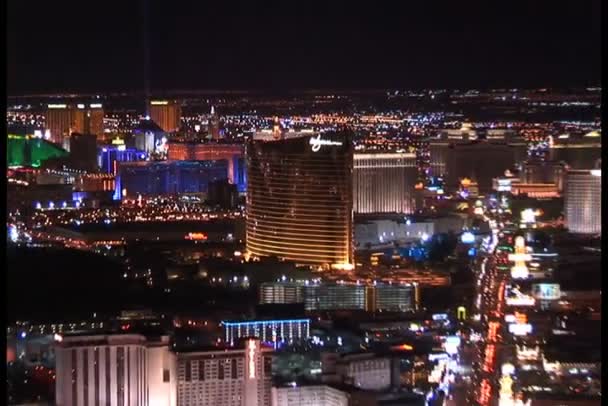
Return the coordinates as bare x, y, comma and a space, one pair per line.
130, 369
214, 125
231, 377
167, 114
577, 151
299, 198
115, 370
583, 201
543, 172
58, 122
63, 120
95, 120
477, 154
83, 152
384, 183
87, 120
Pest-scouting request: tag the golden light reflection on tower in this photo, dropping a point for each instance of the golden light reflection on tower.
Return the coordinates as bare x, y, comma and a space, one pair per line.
299, 199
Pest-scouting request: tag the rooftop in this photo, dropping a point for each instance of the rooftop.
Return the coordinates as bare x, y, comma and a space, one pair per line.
147, 126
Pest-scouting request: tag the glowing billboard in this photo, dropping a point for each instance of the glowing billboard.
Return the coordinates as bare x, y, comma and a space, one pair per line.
467, 237
520, 257
196, 236
520, 301
451, 344
546, 291
520, 329
528, 216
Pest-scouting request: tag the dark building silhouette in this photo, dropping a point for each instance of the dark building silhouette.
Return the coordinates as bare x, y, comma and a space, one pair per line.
83, 152
222, 193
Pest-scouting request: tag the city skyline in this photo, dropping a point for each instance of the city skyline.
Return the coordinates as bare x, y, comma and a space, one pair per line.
244, 205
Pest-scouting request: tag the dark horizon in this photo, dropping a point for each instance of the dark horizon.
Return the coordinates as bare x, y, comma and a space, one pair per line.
66, 48
155, 93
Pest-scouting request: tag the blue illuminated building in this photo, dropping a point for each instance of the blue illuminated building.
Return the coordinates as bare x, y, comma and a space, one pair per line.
415, 252
111, 154
240, 173
435, 183
117, 189
467, 237
152, 178
268, 331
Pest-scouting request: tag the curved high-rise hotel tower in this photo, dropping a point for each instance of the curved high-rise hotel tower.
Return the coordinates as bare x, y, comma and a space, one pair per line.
583, 201
299, 198
384, 182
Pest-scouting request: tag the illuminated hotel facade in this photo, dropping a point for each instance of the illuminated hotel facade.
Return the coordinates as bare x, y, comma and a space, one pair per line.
64, 119
345, 296
88, 119
114, 370
583, 201
58, 120
384, 183
299, 199
196, 151
309, 396
477, 154
234, 377
268, 331
130, 369
167, 114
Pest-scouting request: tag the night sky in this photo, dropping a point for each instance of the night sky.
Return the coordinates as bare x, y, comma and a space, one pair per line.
96, 46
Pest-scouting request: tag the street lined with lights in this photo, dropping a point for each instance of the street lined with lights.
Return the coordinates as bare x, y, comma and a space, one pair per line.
491, 383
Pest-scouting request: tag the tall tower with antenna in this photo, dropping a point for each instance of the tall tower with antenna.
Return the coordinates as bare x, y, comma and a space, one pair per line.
214, 124
146, 61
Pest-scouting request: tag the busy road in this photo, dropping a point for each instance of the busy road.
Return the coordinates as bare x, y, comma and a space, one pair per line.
487, 334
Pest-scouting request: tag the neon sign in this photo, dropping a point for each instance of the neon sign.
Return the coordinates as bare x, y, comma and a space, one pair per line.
402, 347
528, 216
251, 355
440, 356
520, 329
519, 270
520, 301
546, 291
317, 142
467, 237
196, 236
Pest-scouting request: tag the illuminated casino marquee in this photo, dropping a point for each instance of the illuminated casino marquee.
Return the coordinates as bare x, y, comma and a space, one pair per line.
196, 236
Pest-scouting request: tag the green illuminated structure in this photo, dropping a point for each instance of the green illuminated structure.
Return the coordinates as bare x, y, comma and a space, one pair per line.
24, 150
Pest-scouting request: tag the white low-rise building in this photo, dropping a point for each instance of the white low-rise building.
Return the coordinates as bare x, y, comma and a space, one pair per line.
316, 395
